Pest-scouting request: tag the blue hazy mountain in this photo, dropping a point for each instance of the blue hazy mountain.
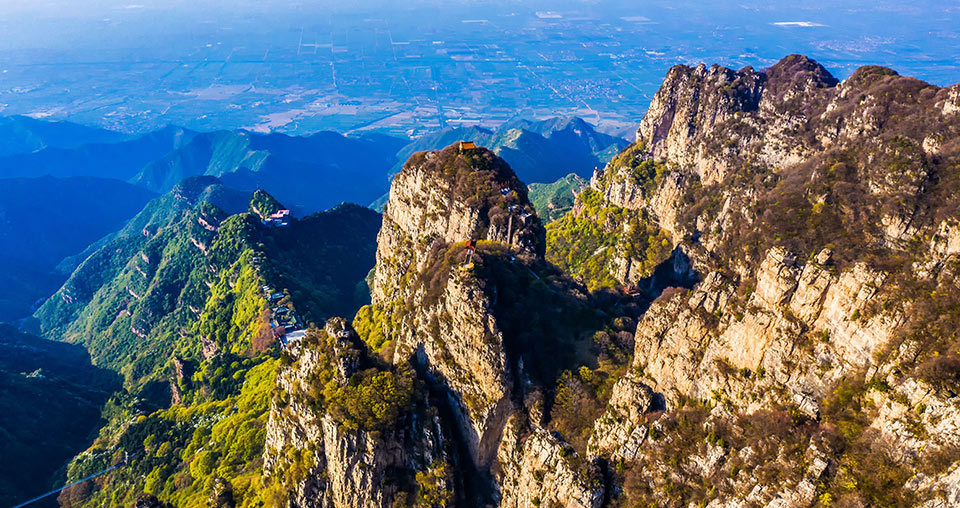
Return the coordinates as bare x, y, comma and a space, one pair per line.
307, 173
43, 220
103, 158
163, 210
21, 134
538, 151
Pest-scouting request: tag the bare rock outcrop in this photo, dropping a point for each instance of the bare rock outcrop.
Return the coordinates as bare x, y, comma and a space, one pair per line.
320, 462
701, 116
446, 197
800, 327
540, 469
816, 209
441, 312
813, 227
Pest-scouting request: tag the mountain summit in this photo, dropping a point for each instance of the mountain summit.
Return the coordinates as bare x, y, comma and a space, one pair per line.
822, 219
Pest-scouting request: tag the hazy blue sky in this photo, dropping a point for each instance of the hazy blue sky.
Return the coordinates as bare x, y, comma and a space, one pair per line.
40, 24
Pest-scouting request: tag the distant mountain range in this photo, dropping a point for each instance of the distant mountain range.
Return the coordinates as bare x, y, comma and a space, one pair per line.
538, 151
43, 220
309, 173
21, 134
120, 159
64, 186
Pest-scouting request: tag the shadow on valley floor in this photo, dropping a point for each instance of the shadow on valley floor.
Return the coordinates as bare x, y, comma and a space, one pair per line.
51, 399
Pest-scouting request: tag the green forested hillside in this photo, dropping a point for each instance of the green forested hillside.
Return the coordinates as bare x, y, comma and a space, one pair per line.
176, 303
587, 244
323, 259
139, 297
553, 200
188, 451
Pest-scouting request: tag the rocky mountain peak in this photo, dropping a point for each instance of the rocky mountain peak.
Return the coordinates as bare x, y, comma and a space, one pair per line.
814, 209
707, 117
798, 71
448, 196
439, 202
462, 291
869, 74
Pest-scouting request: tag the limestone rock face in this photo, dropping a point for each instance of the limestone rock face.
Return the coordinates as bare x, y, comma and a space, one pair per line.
762, 180
951, 104
356, 464
781, 328
947, 240
944, 489
620, 190
698, 345
665, 203
777, 279
685, 110
621, 431
464, 347
441, 199
539, 469
441, 313
690, 114
320, 463
449, 197
796, 337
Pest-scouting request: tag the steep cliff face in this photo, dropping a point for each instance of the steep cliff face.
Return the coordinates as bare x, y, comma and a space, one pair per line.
442, 313
815, 235
322, 459
888, 136
541, 469
459, 314
703, 116
450, 196
796, 327
821, 216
